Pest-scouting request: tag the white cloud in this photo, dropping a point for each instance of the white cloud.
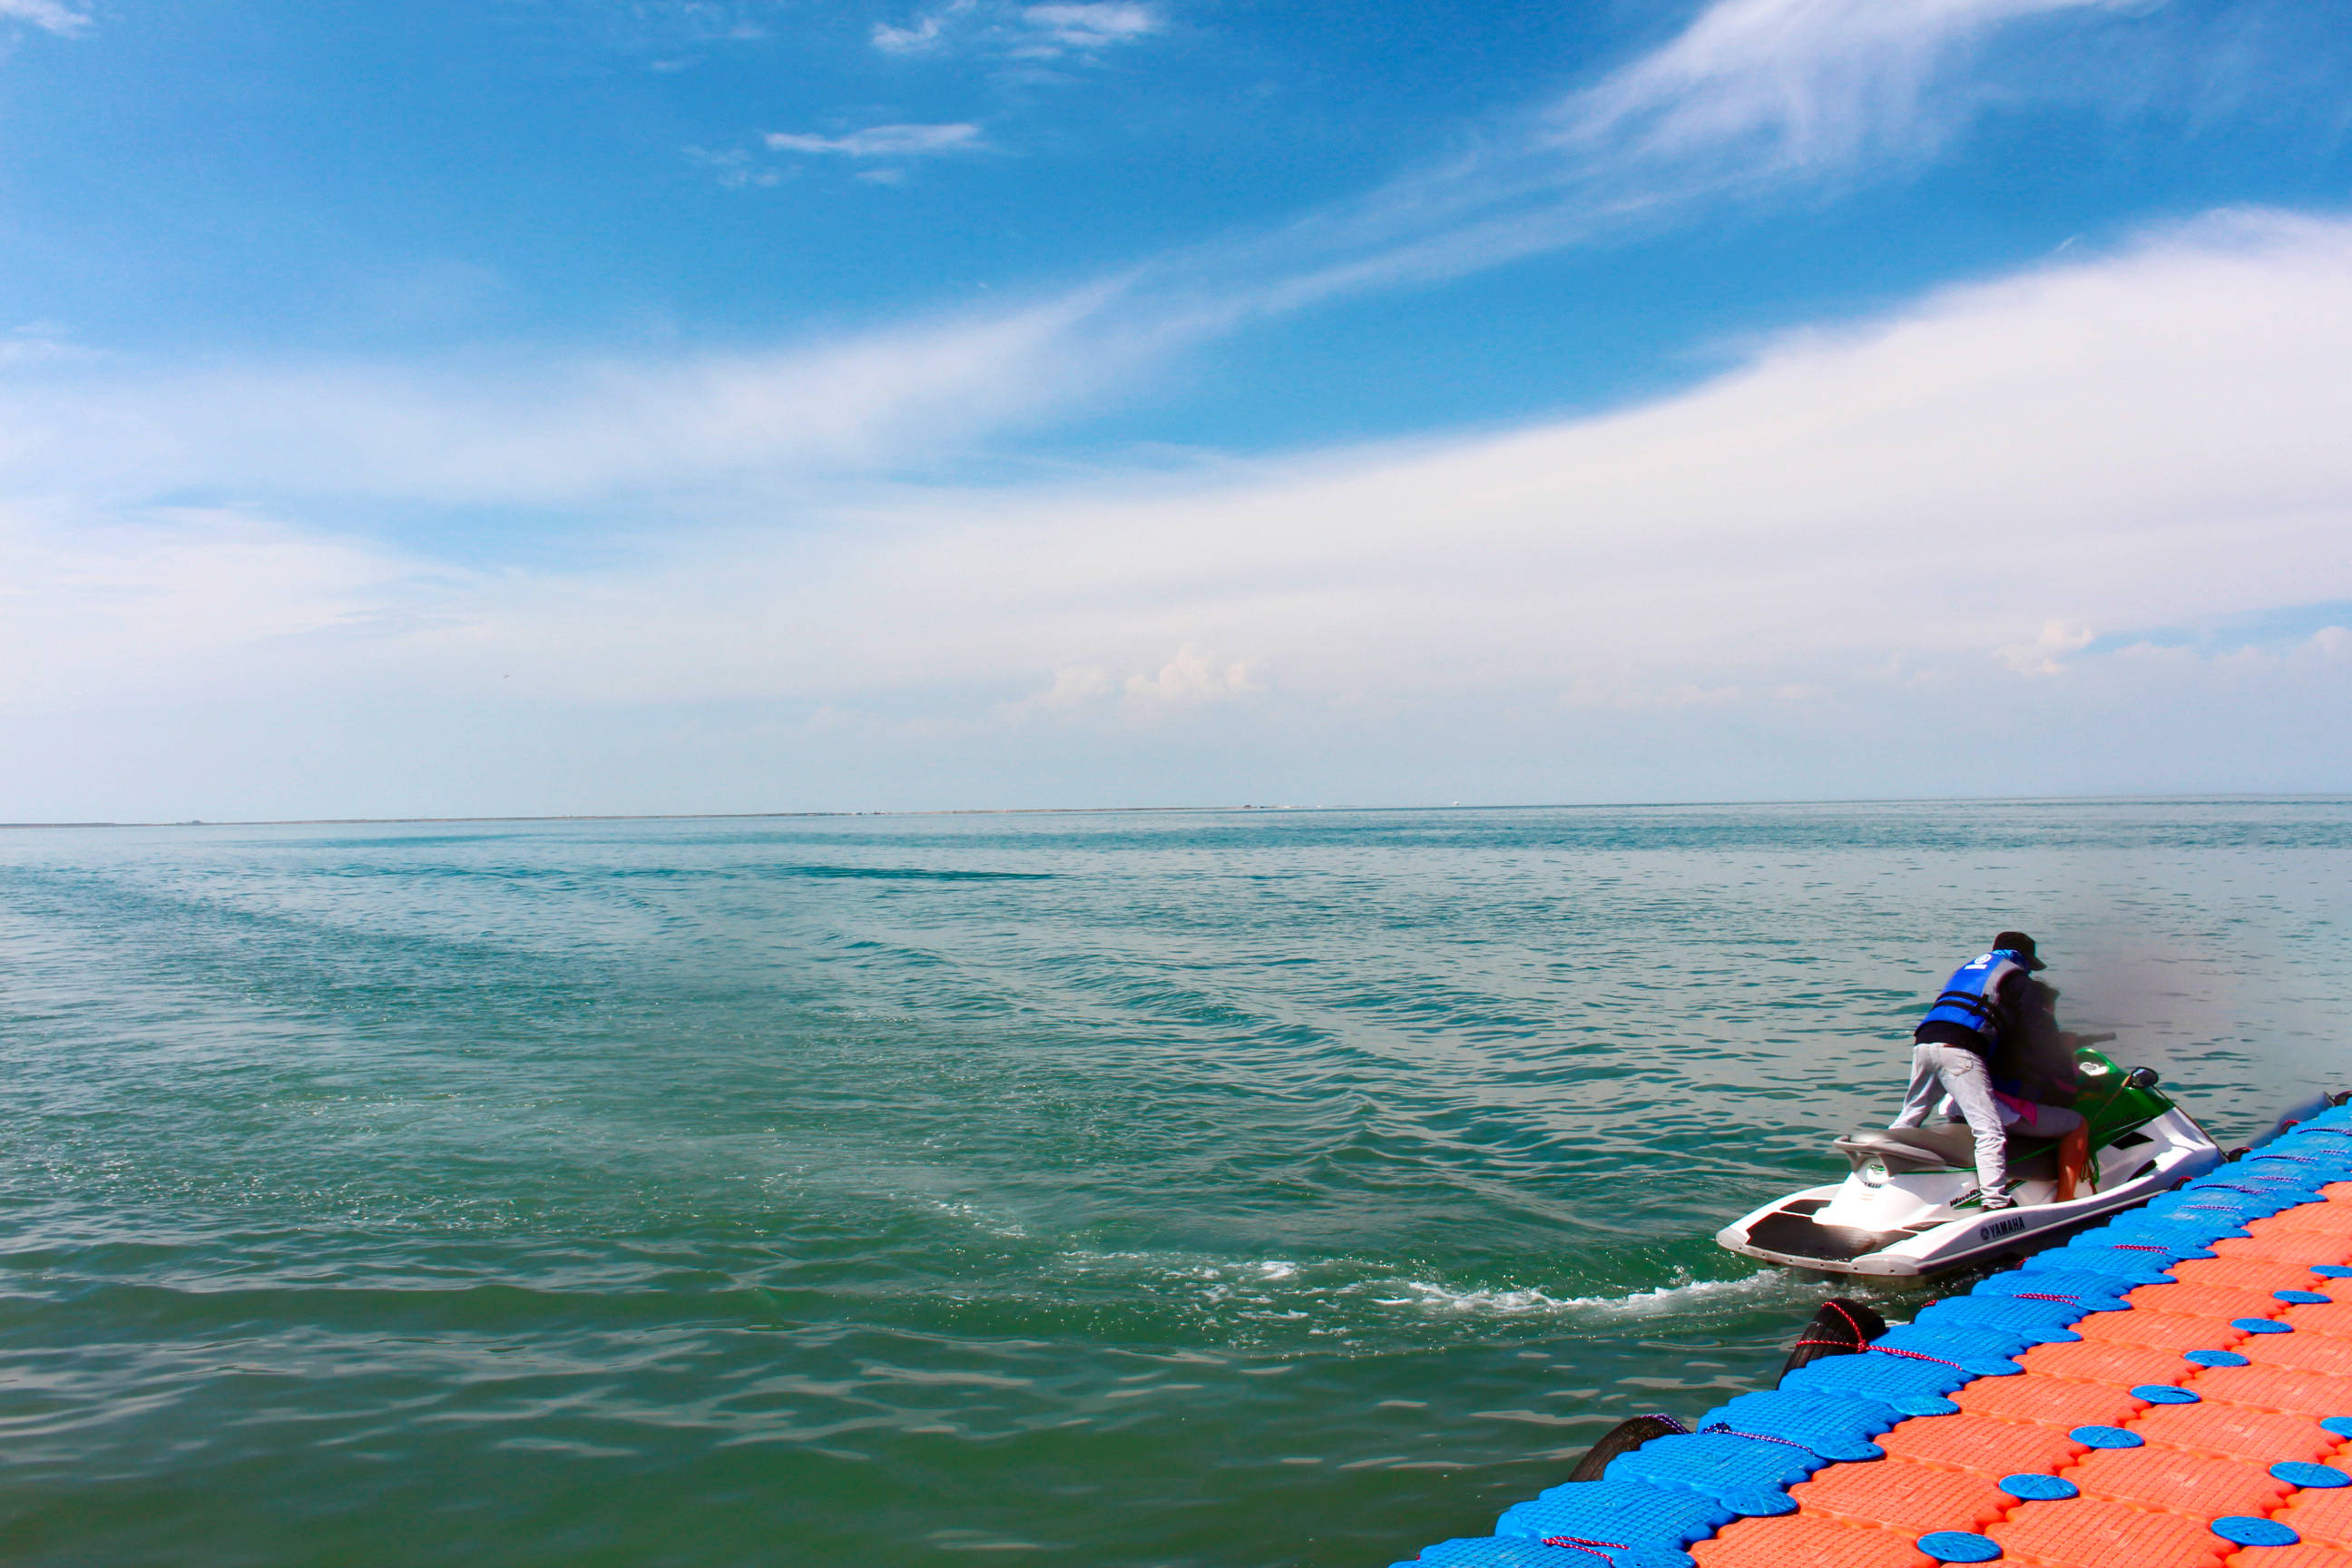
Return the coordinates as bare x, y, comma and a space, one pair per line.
1092, 27
2046, 654
1752, 95
926, 34
1021, 32
733, 167
1793, 83
883, 141
1191, 677
538, 433
46, 14
1892, 521
1917, 505
94, 607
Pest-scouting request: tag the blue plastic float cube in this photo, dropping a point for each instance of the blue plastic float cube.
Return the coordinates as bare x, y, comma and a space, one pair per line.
2150, 1248
1746, 1475
1489, 1552
2276, 1193
1957, 1342
2242, 1203
2191, 1235
2326, 1151
1634, 1517
2092, 1293
2253, 1197
2133, 1268
2312, 1136
2035, 1322
1915, 1387
1834, 1425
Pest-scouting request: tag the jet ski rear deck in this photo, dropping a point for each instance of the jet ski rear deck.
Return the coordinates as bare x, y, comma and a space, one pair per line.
1908, 1205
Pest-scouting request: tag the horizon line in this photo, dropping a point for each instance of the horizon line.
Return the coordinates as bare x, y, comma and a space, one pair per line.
1167, 810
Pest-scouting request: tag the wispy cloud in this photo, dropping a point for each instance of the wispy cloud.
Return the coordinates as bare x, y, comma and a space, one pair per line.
46, 15
883, 141
924, 34
536, 432
1751, 88
2141, 439
1021, 32
759, 532
1092, 27
1786, 85
1751, 97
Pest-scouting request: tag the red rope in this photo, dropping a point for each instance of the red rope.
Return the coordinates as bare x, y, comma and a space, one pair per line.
2045, 1296
1909, 1355
1574, 1544
1859, 1341
1730, 1431
1915, 1355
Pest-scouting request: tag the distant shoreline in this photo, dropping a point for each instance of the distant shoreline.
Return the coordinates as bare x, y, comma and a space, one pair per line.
1167, 810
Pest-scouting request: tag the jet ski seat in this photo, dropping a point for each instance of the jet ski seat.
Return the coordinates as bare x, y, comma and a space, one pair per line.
1950, 1147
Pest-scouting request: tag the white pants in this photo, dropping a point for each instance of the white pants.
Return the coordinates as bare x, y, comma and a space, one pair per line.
1955, 1073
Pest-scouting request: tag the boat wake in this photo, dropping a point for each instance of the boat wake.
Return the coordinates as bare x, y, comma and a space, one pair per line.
1663, 1300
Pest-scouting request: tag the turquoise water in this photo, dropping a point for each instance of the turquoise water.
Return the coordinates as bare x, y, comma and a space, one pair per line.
1223, 1189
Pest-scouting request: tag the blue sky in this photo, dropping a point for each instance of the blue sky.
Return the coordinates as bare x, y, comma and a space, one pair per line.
543, 405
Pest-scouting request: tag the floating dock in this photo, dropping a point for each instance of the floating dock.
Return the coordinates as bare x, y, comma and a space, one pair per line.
2172, 1389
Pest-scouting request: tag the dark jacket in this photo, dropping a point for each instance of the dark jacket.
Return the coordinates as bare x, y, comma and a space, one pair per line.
2036, 1058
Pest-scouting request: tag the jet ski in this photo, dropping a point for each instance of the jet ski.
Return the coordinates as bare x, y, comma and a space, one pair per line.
1908, 1204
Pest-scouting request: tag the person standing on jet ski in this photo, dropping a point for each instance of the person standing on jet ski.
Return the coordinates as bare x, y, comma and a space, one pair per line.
1983, 1007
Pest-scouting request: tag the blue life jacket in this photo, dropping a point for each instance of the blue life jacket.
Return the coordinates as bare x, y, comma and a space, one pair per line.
1971, 997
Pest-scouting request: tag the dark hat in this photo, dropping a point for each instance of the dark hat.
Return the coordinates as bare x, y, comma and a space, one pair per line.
2018, 942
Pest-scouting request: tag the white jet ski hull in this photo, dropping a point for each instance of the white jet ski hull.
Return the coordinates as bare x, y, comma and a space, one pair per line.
1904, 1224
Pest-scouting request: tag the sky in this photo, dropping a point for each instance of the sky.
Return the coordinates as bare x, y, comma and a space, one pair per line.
549, 406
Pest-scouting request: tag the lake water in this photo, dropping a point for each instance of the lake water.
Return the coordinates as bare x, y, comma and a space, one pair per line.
1219, 1189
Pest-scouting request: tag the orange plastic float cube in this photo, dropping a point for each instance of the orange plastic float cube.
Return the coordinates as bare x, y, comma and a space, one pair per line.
2320, 1515
2322, 1353
2304, 1554
2320, 1219
2236, 1432
2279, 1388
2322, 1316
2219, 1302
1805, 1540
2087, 1532
2172, 1332
2260, 1275
2303, 1246
1896, 1494
2048, 1402
2102, 1360
1979, 1443
2198, 1485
